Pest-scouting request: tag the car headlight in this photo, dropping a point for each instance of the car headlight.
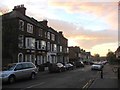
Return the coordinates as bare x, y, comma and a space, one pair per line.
4, 75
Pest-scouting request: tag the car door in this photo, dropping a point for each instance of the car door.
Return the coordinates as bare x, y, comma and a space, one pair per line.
19, 71
27, 70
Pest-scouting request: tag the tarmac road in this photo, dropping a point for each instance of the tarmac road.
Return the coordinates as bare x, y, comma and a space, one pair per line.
77, 78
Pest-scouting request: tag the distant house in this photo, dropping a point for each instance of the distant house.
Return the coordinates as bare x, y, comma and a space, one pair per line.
78, 54
117, 53
74, 54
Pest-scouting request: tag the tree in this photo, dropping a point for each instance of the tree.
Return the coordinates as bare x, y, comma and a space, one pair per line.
97, 57
111, 57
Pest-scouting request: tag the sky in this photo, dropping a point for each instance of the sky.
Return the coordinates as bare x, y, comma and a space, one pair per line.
90, 24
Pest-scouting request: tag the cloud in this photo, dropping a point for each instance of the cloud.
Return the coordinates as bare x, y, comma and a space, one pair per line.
105, 10
102, 49
82, 37
3, 9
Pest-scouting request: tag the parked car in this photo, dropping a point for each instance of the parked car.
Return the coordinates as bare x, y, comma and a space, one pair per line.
91, 62
104, 62
15, 71
79, 64
69, 66
86, 62
96, 66
57, 67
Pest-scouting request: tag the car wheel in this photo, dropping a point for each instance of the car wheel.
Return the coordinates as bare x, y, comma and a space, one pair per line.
33, 76
11, 79
60, 70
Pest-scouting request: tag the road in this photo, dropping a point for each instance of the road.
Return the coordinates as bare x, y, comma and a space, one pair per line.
77, 78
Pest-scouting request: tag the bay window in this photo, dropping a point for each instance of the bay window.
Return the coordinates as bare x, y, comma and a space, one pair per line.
30, 43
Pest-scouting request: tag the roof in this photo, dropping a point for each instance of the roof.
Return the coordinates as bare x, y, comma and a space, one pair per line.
118, 49
17, 14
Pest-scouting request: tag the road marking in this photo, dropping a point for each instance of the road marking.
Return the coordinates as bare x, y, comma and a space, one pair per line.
35, 85
85, 85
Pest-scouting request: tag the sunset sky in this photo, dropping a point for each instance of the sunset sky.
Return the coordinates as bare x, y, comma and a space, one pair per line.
90, 24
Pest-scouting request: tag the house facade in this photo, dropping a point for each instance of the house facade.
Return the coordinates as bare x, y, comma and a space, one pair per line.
117, 53
77, 54
26, 39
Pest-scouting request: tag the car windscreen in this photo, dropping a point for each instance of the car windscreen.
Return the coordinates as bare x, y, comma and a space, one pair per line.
8, 67
96, 64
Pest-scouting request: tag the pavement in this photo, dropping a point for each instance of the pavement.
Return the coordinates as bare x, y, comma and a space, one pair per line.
109, 80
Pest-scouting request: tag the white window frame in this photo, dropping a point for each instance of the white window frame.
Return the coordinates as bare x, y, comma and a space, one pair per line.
27, 44
19, 57
29, 28
40, 32
61, 48
43, 45
30, 44
21, 25
53, 37
67, 50
55, 47
48, 35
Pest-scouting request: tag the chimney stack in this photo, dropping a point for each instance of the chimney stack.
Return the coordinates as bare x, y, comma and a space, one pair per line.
20, 8
44, 22
60, 32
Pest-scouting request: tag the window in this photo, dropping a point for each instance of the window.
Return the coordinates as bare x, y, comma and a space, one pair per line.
37, 42
31, 65
53, 37
51, 47
20, 57
43, 45
45, 35
21, 25
48, 35
67, 50
33, 58
30, 43
60, 48
40, 32
39, 60
48, 45
20, 41
19, 67
55, 47
29, 28
25, 66
28, 58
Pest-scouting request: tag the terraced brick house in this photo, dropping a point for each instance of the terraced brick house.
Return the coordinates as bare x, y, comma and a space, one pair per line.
26, 39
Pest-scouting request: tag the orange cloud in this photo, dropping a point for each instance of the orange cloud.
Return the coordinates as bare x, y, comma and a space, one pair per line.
107, 11
3, 10
82, 37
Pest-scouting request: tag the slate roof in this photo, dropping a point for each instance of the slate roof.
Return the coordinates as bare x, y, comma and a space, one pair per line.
118, 49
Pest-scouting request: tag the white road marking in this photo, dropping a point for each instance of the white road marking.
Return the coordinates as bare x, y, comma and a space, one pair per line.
35, 85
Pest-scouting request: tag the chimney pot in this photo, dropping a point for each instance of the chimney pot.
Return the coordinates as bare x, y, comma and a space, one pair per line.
20, 8
60, 32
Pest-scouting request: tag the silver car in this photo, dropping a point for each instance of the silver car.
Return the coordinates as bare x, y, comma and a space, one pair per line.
96, 67
15, 71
